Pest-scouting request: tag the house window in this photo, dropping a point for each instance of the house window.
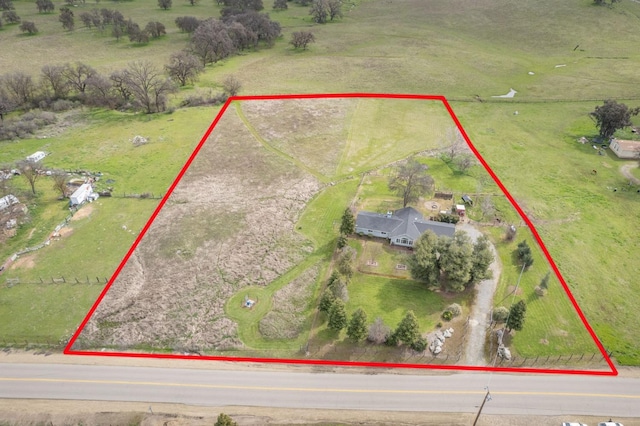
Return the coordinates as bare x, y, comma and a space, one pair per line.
404, 241
410, 242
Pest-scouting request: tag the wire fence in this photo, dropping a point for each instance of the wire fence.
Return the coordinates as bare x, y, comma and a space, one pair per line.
11, 282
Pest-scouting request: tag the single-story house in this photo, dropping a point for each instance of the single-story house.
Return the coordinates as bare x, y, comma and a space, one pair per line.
625, 149
401, 227
7, 201
81, 194
36, 156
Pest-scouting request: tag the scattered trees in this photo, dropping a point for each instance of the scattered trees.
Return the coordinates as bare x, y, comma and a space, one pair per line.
10, 17
357, 328
28, 27
164, 4
612, 116
66, 17
302, 39
45, 6
410, 181
184, 67
517, 313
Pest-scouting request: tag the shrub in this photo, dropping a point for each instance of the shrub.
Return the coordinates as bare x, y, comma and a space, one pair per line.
419, 345
378, 332
541, 292
62, 105
500, 314
447, 315
455, 309
342, 241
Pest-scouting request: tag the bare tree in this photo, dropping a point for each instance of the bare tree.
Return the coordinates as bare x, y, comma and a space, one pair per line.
148, 86
335, 9
59, 179
100, 91
211, 42
302, 39
53, 79
410, 181
454, 143
319, 11
30, 171
119, 83
231, 85
20, 88
77, 75
184, 67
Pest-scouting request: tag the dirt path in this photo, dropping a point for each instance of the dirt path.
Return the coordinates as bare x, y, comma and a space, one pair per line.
481, 310
626, 172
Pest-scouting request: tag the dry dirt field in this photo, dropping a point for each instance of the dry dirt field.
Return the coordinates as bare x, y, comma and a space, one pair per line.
228, 224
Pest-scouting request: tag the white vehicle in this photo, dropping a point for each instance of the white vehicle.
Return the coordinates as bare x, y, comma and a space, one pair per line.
573, 424
610, 423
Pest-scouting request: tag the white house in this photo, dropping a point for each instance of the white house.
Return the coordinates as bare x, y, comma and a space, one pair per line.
401, 227
36, 156
81, 194
625, 149
7, 201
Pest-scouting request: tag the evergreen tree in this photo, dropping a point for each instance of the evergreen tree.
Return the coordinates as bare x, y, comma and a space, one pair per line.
456, 260
337, 316
348, 225
407, 331
544, 283
517, 314
524, 254
357, 328
482, 258
225, 420
424, 262
326, 301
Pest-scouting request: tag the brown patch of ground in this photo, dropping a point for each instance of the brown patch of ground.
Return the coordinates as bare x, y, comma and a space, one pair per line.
26, 261
229, 224
83, 212
511, 289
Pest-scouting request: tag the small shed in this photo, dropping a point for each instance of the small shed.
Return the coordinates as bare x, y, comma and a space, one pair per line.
81, 194
461, 209
36, 156
467, 200
625, 149
7, 201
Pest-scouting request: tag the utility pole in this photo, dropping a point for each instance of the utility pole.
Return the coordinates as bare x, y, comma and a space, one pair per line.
487, 397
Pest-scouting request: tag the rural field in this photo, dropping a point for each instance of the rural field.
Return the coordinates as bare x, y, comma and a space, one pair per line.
563, 59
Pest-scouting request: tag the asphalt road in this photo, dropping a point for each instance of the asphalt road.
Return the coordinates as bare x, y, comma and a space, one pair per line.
510, 394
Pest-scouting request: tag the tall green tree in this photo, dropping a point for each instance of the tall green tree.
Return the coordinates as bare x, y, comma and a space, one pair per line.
410, 181
348, 224
407, 331
456, 260
357, 328
337, 316
424, 262
326, 301
524, 254
612, 116
517, 315
481, 259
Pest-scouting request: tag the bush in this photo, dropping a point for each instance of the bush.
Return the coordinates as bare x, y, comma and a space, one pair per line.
447, 315
500, 314
419, 345
541, 292
455, 309
378, 332
342, 241
62, 105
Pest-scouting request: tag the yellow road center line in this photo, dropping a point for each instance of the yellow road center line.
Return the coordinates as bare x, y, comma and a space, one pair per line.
327, 390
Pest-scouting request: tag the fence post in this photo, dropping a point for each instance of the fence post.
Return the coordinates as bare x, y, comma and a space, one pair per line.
41, 281
63, 280
98, 280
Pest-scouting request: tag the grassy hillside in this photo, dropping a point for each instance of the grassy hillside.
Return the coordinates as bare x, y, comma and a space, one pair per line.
468, 51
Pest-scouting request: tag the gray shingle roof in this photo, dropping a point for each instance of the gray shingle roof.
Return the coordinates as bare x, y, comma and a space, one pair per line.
407, 221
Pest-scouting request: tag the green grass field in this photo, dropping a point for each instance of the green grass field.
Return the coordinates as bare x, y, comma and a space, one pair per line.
457, 48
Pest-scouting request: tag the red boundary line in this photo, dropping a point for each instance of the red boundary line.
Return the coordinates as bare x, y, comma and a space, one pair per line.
69, 351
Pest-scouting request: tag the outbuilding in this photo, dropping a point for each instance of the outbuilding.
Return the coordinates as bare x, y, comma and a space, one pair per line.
81, 194
625, 149
36, 156
7, 201
461, 209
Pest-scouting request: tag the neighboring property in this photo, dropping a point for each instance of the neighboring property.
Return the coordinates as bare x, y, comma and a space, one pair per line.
36, 156
82, 194
401, 227
625, 149
7, 201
